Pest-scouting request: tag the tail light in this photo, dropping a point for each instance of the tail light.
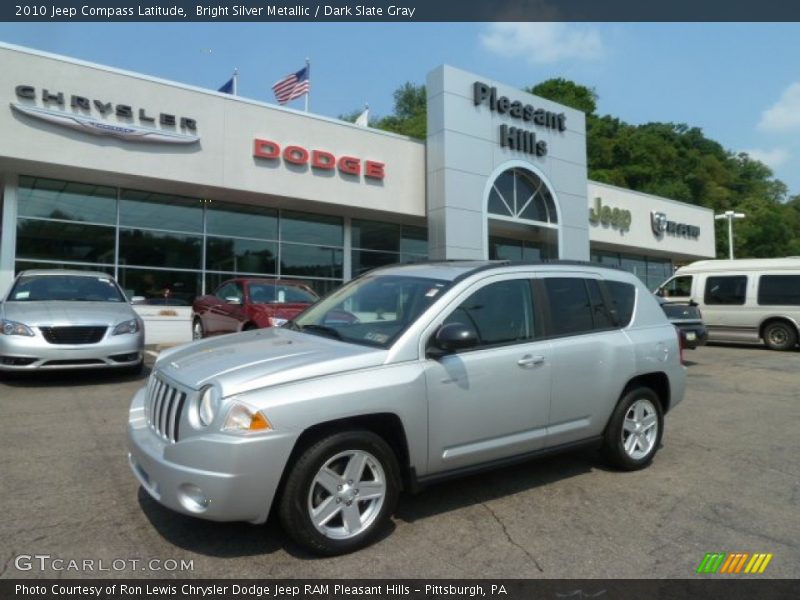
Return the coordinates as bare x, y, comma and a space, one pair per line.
681, 344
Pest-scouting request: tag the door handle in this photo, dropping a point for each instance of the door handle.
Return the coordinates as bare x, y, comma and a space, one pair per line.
528, 361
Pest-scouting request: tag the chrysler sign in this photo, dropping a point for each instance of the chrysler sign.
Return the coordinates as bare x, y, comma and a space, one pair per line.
92, 116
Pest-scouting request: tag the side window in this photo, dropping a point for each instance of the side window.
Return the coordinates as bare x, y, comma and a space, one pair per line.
570, 309
229, 290
600, 312
728, 289
776, 290
500, 313
622, 299
679, 287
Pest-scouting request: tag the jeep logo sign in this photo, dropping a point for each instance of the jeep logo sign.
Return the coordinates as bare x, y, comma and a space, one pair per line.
617, 218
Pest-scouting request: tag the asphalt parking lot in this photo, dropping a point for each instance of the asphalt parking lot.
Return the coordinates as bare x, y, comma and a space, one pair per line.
726, 480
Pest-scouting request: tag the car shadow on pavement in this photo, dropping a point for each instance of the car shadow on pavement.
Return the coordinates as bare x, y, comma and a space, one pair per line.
221, 540
76, 378
476, 489
230, 540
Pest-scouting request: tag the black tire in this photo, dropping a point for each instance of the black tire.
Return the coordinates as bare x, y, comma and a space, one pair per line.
780, 335
198, 331
614, 446
301, 491
249, 327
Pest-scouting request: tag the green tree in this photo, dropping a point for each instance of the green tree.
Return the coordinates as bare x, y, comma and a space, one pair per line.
568, 93
410, 115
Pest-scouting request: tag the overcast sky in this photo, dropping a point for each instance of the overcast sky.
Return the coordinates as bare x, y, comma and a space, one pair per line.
739, 82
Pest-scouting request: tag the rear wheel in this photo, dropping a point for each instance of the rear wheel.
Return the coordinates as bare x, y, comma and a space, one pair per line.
634, 432
340, 493
198, 333
780, 335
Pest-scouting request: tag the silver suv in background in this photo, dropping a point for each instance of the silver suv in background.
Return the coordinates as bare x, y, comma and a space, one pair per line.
405, 376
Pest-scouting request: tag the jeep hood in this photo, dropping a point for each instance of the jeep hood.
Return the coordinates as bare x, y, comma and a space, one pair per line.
264, 357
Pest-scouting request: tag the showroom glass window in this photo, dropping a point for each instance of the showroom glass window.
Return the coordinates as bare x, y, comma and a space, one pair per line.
376, 244
59, 220
170, 248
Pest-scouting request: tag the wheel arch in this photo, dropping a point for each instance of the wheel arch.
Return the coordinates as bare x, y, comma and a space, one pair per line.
656, 381
778, 318
388, 426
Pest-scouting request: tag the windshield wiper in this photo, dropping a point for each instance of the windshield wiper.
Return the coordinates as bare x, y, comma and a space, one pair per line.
324, 329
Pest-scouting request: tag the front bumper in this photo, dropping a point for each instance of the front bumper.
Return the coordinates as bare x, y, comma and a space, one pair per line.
21, 353
213, 476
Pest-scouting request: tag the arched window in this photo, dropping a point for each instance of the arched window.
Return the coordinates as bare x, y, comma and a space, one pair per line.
522, 196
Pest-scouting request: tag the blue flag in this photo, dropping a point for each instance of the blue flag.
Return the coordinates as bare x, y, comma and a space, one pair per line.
227, 87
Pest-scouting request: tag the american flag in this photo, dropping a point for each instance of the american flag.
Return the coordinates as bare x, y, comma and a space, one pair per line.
292, 86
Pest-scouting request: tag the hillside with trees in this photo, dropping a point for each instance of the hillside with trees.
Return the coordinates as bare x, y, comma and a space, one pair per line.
674, 160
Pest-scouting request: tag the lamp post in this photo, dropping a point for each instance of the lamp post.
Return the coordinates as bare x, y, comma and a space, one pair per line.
730, 216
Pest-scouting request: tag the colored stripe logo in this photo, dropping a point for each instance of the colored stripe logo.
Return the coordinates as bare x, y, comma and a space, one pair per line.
734, 563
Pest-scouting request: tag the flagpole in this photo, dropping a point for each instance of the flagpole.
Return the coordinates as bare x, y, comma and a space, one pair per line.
308, 74
236, 82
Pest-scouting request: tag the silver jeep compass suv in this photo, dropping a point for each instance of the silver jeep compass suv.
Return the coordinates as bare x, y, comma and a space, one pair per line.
404, 376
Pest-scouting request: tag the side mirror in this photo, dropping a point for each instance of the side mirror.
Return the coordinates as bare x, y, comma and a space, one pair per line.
138, 300
232, 300
453, 337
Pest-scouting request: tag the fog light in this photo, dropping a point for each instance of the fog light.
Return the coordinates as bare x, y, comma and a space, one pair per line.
192, 498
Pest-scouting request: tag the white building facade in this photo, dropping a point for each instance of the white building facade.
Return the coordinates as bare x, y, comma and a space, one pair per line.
173, 189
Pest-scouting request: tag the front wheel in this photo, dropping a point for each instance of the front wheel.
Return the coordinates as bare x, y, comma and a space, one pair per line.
340, 493
634, 432
780, 336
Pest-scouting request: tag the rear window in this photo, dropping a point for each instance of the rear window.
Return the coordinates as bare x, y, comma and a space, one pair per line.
623, 296
776, 290
681, 311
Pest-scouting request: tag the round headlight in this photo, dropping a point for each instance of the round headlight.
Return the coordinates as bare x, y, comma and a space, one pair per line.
208, 405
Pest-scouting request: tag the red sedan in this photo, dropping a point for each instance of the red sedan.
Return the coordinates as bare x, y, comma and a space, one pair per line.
249, 303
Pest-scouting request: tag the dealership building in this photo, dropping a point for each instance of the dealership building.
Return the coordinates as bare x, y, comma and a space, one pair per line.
173, 189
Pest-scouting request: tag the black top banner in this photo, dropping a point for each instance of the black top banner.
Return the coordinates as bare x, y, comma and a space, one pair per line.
404, 11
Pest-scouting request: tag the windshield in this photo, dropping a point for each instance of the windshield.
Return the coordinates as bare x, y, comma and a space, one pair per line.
75, 288
267, 293
373, 310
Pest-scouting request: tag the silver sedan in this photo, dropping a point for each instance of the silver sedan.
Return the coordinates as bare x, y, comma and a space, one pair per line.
59, 319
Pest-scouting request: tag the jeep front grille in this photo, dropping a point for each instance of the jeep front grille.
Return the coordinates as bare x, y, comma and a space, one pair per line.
164, 406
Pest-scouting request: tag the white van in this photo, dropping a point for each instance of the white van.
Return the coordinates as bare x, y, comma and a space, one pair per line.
743, 300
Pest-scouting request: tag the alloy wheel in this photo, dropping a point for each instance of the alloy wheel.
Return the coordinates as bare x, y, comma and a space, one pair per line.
640, 429
346, 494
